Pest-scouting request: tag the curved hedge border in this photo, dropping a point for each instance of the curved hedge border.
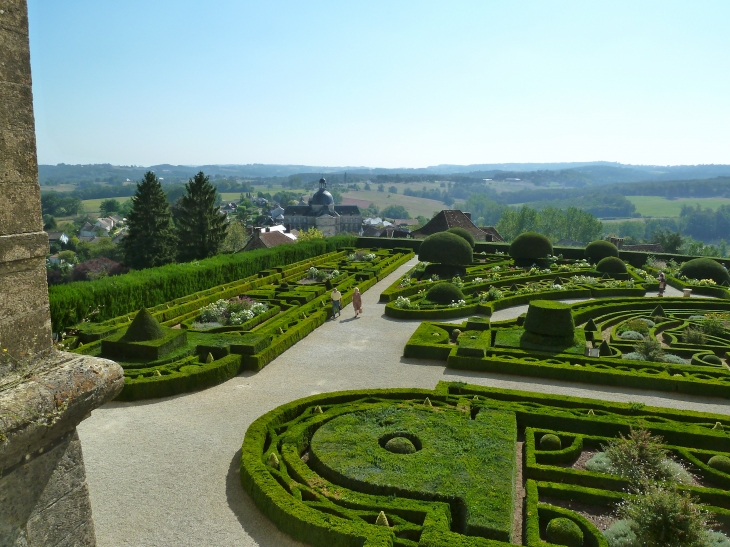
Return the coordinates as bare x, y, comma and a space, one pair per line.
319, 512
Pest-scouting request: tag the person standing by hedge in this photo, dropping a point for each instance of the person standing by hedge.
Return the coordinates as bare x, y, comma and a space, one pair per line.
336, 298
357, 301
662, 283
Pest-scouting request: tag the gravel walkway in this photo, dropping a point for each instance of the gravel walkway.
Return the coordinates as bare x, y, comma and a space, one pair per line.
165, 472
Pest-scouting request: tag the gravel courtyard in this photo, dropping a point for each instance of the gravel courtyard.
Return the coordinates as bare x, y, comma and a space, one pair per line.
164, 472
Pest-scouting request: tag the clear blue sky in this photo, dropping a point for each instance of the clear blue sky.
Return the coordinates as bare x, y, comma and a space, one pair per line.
388, 84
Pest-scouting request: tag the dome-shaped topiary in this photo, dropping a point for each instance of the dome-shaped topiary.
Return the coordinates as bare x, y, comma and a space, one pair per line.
444, 293
712, 359
144, 328
445, 248
550, 318
530, 246
597, 250
461, 232
550, 442
564, 531
721, 463
400, 445
611, 265
705, 268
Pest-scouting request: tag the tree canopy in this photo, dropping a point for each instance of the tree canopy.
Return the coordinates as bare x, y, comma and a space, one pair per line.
201, 229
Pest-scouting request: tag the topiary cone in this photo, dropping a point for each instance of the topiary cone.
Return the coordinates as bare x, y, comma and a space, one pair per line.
590, 326
604, 350
590, 412
273, 461
144, 328
718, 426
658, 312
427, 402
209, 358
382, 520
318, 410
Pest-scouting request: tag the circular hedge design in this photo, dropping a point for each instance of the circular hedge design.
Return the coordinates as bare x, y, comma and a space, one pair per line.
446, 248
550, 442
530, 246
444, 293
611, 265
721, 463
461, 232
550, 318
597, 250
705, 268
564, 532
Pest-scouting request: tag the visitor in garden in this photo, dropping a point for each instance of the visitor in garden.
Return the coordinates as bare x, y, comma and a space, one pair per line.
662, 283
357, 301
336, 297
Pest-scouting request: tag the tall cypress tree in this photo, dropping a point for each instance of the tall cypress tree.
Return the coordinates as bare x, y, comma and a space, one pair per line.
201, 228
150, 240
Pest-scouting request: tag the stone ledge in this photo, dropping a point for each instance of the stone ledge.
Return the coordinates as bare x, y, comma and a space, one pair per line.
52, 401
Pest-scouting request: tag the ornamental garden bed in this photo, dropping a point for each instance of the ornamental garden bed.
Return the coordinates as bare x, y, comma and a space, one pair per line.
438, 468
208, 337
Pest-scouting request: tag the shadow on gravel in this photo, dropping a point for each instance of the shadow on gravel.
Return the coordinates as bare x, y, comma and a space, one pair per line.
256, 525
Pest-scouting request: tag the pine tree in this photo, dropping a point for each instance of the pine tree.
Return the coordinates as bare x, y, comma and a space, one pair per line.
201, 228
150, 240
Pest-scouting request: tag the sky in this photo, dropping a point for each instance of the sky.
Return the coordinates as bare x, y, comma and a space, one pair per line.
380, 84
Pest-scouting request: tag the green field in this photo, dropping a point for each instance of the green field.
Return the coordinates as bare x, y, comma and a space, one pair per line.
656, 206
92, 206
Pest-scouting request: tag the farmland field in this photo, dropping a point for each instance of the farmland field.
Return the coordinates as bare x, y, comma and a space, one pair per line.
657, 206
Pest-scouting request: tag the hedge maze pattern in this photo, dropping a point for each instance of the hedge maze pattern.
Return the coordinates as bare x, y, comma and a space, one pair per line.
321, 469
188, 357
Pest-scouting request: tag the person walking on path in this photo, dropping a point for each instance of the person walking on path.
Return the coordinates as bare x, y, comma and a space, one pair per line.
336, 297
662, 283
357, 301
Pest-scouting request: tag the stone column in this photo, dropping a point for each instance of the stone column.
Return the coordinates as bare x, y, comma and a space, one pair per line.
44, 394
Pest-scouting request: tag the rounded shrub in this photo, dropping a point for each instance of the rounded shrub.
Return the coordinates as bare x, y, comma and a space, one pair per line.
550, 442
564, 531
611, 265
721, 463
444, 293
598, 250
712, 359
461, 232
705, 268
445, 248
549, 318
400, 445
631, 335
530, 246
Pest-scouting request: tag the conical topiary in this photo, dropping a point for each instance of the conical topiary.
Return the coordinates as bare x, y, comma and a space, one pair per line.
604, 350
273, 461
590, 326
209, 358
476, 397
718, 426
513, 288
144, 328
318, 410
590, 412
658, 312
382, 520
427, 402
605, 276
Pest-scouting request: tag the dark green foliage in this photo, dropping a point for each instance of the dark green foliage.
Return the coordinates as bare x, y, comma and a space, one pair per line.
604, 350
550, 318
564, 531
658, 312
550, 442
530, 246
611, 265
461, 232
597, 250
705, 268
400, 445
144, 327
150, 239
117, 346
445, 248
590, 326
444, 293
201, 228
721, 463
712, 359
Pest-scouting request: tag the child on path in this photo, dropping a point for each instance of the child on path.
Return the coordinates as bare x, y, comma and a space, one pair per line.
336, 298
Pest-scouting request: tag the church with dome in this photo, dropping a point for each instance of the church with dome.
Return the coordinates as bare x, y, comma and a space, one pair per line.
322, 213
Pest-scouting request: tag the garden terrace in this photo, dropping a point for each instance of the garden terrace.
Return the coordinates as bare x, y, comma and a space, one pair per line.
211, 335
320, 469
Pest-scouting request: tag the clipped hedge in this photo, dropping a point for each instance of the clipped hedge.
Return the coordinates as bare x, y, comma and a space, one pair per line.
461, 232
550, 318
113, 296
611, 265
597, 250
445, 248
530, 246
444, 293
705, 268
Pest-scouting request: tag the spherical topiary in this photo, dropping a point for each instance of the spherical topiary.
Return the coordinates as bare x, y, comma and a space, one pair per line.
530, 246
712, 359
461, 232
611, 265
550, 442
721, 463
550, 318
705, 268
400, 445
444, 293
564, 531
598, 250
445, 248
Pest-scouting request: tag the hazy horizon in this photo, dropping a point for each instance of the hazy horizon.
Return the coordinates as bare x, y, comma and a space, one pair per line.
405, 85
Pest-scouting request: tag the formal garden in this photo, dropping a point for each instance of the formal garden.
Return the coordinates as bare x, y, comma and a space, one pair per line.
458, 465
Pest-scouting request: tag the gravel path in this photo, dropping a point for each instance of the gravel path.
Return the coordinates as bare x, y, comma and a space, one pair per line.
165, 472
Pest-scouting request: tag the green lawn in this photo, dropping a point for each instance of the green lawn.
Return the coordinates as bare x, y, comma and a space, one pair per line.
655, 206
92, 206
